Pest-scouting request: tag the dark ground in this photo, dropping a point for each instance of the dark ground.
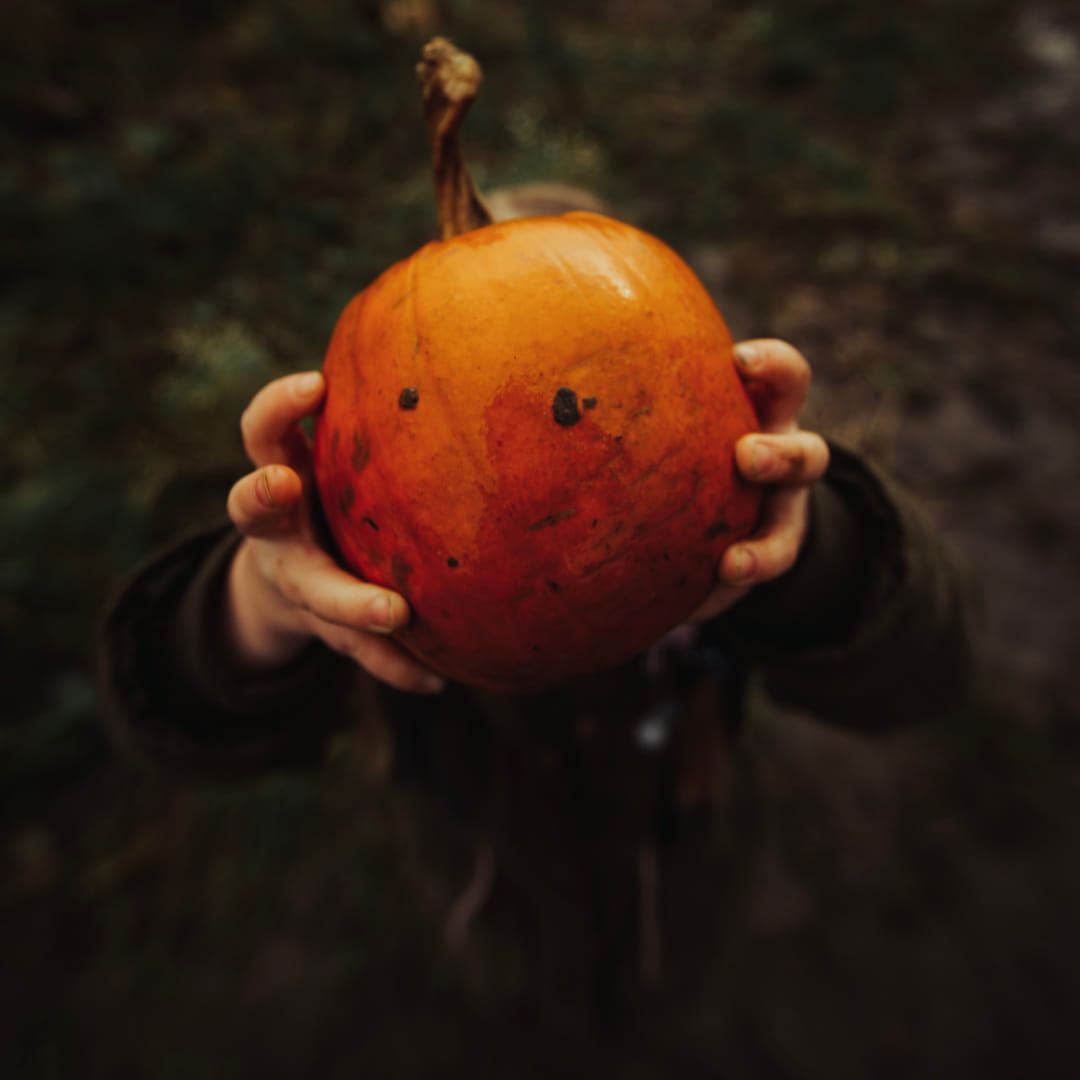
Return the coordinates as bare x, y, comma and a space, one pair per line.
188, 196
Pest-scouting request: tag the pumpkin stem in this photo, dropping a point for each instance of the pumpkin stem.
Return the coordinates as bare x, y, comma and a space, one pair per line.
450, 79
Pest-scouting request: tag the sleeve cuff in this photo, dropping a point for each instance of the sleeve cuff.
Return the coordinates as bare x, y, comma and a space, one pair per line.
174, 700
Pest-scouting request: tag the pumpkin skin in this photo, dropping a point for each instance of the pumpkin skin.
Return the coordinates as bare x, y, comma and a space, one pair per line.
528, 432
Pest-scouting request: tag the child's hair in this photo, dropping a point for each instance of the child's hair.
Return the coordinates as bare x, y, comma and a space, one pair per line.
540, 199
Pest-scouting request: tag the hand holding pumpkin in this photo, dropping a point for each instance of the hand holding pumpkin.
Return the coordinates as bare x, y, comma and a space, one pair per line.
782, 456
284, 588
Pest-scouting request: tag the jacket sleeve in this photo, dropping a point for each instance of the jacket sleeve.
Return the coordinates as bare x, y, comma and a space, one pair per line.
873, 625
172, 697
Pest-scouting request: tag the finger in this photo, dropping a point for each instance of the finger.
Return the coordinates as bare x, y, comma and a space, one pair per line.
777, 377
776, 546
268, 424
383, 659
311, 581
797, 457
264, 503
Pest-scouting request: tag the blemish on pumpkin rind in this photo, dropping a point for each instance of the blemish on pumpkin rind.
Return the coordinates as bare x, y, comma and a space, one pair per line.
346, 498
361, 455
372, 522
565, 407
409, 398
452, 563
588, 403
717, 528
553, 519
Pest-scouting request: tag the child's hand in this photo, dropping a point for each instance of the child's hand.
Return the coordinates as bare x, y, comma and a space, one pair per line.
783, 457
284, 588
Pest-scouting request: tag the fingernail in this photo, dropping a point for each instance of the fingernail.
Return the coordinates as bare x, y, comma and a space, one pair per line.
763, 462
262, 486
308, 383
746, 356
744, 566
381, 613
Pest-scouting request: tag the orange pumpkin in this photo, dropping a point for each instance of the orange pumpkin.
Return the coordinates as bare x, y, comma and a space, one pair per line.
528, 432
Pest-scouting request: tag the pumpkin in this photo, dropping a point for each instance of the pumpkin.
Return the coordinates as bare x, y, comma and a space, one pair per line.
529, 432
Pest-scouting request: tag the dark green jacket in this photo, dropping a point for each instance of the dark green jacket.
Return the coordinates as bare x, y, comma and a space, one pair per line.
575, 829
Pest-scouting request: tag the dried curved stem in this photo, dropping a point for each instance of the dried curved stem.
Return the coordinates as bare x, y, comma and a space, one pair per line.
450, 79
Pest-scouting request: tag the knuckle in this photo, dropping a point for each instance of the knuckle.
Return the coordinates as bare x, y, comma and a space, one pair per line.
822, 455
234, 505
810, 456
773, 558
784, 556
800, 366
789, 354
794, 366
248, 424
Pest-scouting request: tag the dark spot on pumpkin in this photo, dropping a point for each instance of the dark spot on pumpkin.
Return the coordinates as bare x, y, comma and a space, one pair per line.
346, 498
595, 522
667, 557
360, 453
400, 570
409, 398
552, 585
452, 563
553, 519
589, 402
719, 526
565, 407
335, 440
372, 522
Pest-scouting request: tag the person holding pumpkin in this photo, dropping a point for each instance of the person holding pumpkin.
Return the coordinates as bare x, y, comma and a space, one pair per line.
244, 647
576, 808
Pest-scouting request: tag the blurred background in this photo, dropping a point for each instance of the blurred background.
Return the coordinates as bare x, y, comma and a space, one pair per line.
189, 194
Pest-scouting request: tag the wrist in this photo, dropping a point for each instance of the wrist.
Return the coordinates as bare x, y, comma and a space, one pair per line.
260, 630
